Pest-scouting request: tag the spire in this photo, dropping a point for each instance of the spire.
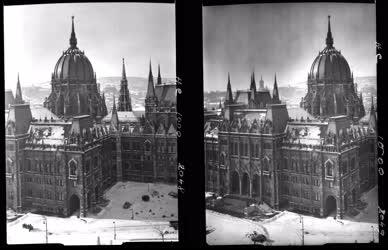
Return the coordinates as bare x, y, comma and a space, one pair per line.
329, 37
261, 83
114, 105
372, 116
104, 109
18, 95
124, 98
73, 39
123, 75
159, 81
151, 88
275, 94
229, 95
253, 82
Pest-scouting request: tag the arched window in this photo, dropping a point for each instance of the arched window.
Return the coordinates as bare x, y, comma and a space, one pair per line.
72, 168
344, 167
9, 164
352, 163
95, 162
222, 160
329, 169
147, 146
285, 163
266, 164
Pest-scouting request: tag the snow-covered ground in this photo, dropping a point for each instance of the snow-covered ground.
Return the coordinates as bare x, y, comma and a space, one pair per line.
86, 231
286, 228
160, 207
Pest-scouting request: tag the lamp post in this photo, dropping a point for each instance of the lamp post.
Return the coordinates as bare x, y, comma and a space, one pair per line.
114, 228
45, 222
301, 220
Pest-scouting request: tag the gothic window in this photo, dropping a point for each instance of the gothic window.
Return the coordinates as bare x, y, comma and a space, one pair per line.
285, 163
352, 163
87, 166
344, 167
329, 168
266, 164
72, 168
95, 162
241, 148
147, 146
222, 160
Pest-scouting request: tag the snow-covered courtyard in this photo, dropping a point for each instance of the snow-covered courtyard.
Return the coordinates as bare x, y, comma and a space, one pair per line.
151, 219
286, 227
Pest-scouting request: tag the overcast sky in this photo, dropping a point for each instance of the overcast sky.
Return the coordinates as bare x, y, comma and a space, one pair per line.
36, 35
284, 38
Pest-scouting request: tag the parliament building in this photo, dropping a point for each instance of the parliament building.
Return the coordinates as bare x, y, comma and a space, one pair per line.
60, 158
317, 160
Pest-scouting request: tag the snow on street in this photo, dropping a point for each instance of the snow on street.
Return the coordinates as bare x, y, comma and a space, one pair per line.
285, 229
146, 226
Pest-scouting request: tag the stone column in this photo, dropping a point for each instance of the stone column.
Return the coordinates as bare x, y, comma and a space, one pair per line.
250, 187
119, 170
218, 188
239, 183
83, 206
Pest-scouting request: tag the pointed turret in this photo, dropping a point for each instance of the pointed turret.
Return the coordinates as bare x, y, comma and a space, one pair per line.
261, 83
114, 105
18, 94
73, 39
114, 121
275, 94
329, 37
253, 82
150, 88
229, 95
123, 74
159, 81
151, 101
362, 107
372, 116
124, 98
104, 109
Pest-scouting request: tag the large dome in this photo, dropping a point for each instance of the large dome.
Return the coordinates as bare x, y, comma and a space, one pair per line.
330, 65
73, 64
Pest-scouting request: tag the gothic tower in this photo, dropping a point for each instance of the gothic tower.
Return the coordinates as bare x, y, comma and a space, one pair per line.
159, 80
275, 94
151, 101
124, 98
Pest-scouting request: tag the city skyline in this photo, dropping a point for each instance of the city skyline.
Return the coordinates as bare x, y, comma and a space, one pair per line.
106, 32
276, 38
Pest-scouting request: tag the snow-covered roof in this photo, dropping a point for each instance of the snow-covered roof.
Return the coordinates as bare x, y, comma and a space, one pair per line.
305, 133
124, 116
40, 112
298, 113
52, 134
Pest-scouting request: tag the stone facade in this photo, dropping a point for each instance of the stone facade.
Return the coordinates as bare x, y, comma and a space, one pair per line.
63, 164
318, 165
